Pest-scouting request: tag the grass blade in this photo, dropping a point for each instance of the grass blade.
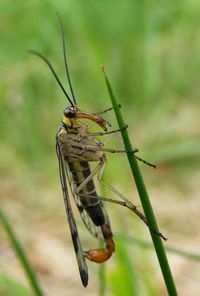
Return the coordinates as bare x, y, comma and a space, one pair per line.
123, 279
9, 286
146, 204
21, 255
102, 280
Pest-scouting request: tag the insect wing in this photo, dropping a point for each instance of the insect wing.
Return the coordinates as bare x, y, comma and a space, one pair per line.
72, 224
93, 229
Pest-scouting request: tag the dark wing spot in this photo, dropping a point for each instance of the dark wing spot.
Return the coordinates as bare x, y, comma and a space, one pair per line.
84, 277
75, 241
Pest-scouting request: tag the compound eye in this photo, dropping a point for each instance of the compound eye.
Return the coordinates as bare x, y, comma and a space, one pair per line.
69, 112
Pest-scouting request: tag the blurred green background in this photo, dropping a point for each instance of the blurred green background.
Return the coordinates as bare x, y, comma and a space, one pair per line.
151, 53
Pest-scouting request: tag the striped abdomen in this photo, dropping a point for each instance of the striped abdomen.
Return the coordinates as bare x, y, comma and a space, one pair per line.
80, 170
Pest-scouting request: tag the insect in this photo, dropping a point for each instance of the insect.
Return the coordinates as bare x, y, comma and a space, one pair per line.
76, 147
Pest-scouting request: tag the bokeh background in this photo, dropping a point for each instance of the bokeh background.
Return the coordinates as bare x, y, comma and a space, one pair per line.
151, 51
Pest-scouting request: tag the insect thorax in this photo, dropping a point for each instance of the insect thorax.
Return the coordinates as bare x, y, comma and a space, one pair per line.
77, 144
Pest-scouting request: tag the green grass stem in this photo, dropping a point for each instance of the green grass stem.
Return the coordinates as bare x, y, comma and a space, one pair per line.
102, 280
21, 254
146, 204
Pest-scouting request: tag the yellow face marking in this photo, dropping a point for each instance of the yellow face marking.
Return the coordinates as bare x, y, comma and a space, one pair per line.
70, 121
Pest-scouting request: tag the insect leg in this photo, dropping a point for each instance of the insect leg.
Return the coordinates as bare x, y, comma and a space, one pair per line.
103, 133
145, 162
106, 110
98, 148
99, 172
126, 202
116, 132
110, 133
90, 177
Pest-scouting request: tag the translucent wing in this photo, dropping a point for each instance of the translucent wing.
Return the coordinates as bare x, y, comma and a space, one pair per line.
72, 224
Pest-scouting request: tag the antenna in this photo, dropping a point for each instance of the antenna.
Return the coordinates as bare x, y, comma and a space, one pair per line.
65, 58
54, 73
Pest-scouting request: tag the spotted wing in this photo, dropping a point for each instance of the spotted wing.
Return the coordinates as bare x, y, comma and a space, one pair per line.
93, 229
72, 223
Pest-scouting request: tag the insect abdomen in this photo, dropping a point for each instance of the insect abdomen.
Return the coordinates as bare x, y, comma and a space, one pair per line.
80, 171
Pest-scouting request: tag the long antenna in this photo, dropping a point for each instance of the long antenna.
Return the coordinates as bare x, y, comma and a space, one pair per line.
65, 58
54, 73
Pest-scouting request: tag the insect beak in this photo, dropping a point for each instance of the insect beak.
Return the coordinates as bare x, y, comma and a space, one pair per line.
100, 121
